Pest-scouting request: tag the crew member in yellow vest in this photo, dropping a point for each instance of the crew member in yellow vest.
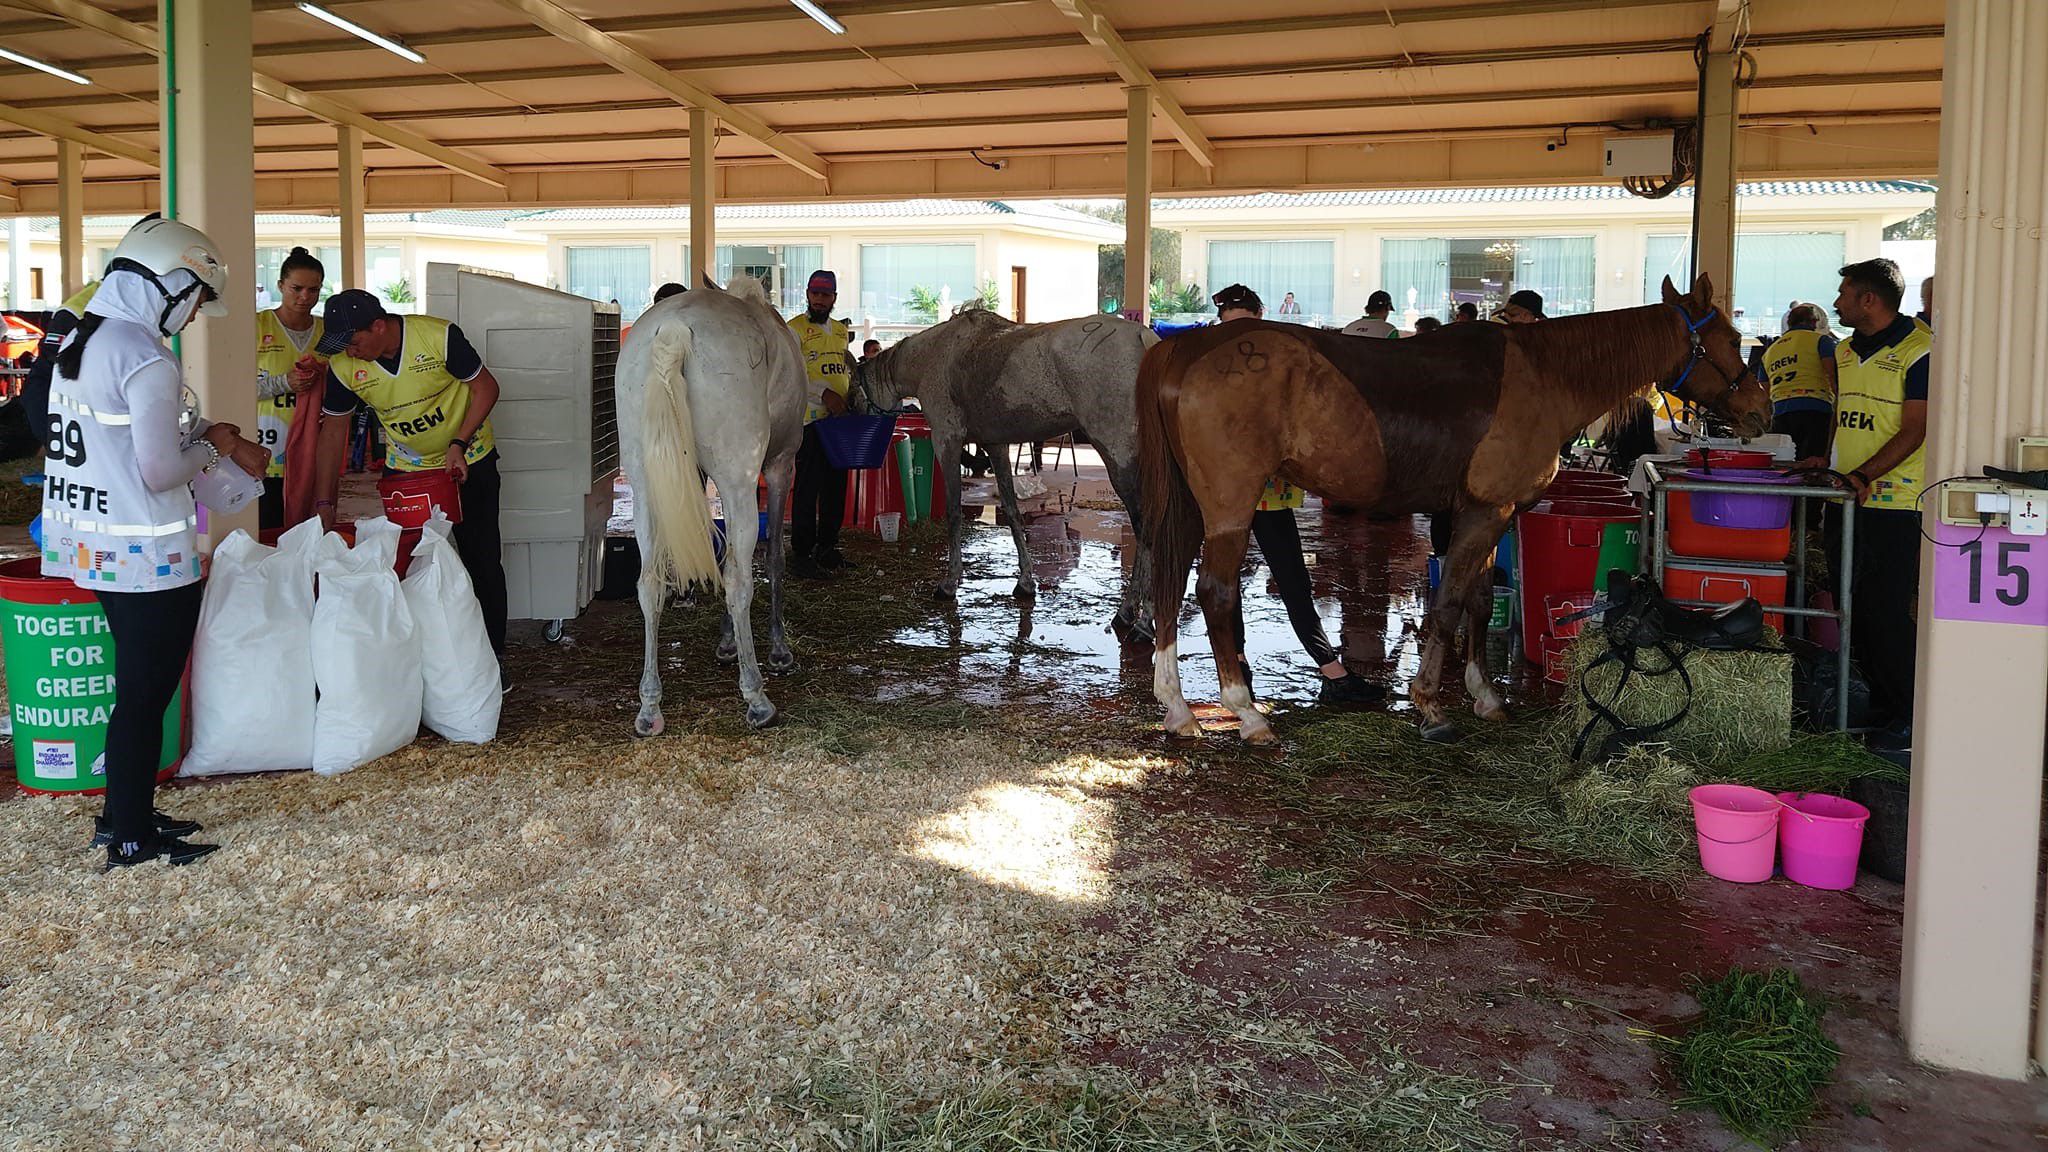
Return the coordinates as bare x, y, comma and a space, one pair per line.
1880, 434
820, 488
1799, 366
1279, 540
433, 395
285, 335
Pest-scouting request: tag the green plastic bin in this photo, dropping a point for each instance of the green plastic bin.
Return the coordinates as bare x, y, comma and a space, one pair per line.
60, 683
914, 467
1619, 548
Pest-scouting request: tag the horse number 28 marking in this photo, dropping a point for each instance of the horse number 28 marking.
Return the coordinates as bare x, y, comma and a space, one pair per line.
2019, 577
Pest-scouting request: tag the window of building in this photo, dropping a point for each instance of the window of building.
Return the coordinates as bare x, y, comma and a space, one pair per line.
1431, 277
384, 274
913, 283
1773, 271
624, 273
783, 268
1273, 268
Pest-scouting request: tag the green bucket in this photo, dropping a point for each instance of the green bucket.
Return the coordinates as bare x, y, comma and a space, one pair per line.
914, 468
60, 683
1619, 548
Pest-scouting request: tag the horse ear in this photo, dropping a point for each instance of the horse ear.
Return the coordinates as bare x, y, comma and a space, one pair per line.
1703, 289
1670, 293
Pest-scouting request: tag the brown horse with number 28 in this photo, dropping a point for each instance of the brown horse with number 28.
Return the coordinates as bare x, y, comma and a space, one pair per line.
1470, 417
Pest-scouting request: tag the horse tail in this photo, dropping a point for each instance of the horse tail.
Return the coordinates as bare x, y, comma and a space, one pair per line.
670, 489
1172, 520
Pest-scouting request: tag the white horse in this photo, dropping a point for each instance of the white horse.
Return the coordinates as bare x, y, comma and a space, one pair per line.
710, 383
985, 378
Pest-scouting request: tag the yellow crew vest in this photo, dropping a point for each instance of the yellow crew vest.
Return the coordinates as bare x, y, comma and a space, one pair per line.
1869, 409
825, 360
276, 353
1279, 494
1793, 366
422, 405
76, 302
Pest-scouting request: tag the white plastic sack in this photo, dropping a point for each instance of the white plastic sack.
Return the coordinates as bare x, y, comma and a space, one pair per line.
462, 697
366, 652
252, 661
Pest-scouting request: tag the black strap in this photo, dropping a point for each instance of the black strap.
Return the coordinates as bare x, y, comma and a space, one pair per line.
1624, 733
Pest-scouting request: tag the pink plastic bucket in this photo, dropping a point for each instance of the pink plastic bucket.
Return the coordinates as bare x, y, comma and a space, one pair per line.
1737, 829
1822, 836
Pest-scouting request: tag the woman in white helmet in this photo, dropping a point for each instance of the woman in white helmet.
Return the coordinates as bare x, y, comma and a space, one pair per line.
118, 513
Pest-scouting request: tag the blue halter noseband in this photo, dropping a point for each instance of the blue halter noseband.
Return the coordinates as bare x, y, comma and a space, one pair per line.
1698, 352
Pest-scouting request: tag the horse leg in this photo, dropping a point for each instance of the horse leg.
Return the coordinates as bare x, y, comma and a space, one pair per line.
728, 639
653, 596
740, 534
1486, 702
1471, 541
780, 471
948, 455
1133, 612
1006, 489
1218, 591
1180, 719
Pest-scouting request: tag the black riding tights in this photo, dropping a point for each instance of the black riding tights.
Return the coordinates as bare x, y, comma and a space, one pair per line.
152, 638
1280, 543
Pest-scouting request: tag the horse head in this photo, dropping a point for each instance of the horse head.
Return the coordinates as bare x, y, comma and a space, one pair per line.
1714, 375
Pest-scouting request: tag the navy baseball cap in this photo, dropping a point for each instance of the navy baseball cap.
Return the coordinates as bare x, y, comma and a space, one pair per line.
347, 313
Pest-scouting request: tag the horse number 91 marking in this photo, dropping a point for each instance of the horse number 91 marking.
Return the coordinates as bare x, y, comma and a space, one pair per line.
1099, 332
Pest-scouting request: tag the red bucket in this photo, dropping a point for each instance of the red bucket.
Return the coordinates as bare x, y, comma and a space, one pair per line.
410, 497
1728, 458
1560, 556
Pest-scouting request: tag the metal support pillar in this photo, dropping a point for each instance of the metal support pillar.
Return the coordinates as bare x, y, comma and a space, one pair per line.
348, 146
1138, 202
1972, 856
211, 185
704, 199
70, 217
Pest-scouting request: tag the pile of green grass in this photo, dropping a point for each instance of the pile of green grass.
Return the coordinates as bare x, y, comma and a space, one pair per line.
1756, 1055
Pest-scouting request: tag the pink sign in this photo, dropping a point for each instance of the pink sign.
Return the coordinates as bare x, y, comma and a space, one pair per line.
1989, 574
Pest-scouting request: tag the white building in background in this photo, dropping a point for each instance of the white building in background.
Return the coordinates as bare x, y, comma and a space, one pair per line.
398, 246
1038, 258
1584, 248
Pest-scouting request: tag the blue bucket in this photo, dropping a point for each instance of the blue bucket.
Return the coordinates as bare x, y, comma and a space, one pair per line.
718, 535
854, 442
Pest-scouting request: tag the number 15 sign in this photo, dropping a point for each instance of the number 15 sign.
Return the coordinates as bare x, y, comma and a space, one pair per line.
1990, 575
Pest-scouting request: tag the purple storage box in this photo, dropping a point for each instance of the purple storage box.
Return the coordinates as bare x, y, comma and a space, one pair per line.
1741, 510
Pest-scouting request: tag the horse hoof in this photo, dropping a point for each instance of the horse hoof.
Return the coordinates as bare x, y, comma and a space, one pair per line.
781, 663
728, 655
1495, 711
1262, 736
648, 725
1441, 732
1025, 590
1184, 725
759, 715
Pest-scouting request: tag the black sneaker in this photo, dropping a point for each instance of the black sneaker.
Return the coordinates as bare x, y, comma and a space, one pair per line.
169, 849
166, 825
807, 570
1350, 688
836, 561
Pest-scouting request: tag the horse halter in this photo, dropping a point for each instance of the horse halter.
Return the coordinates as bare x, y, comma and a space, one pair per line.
1698, 353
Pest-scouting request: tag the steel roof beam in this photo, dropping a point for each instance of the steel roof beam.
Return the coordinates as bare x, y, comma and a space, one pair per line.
1101, 33
99, 20
576, 30
57, 128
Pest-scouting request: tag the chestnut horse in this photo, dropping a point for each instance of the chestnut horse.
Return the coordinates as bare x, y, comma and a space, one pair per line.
1470, 417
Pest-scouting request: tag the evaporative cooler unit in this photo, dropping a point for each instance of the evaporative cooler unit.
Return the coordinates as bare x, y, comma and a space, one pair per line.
555, 357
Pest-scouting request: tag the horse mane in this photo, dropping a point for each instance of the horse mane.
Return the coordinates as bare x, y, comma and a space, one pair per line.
748, 288
1608, 357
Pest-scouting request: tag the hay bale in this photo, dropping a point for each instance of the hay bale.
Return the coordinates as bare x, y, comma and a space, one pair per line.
1741, 702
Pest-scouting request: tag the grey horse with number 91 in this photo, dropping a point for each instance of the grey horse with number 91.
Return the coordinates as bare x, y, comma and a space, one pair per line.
985, 378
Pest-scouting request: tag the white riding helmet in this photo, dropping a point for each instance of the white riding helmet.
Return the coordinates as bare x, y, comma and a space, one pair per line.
156, 248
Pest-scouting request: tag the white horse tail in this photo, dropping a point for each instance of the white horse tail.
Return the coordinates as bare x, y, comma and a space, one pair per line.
670, 489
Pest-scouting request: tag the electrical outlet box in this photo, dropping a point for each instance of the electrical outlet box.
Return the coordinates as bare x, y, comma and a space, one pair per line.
1637, 155
2029, 512
2030, 453
1968, 502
